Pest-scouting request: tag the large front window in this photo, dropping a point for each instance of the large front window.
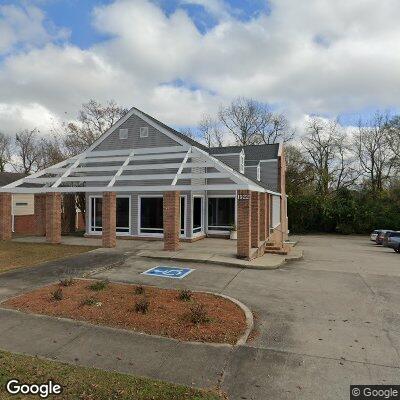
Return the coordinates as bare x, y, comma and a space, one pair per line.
151, 215
96, 214
197, 214
122, 214
221, 213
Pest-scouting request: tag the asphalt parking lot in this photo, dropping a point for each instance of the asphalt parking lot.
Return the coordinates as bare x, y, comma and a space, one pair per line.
323, 323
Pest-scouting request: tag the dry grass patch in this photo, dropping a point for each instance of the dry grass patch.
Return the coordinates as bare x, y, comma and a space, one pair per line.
15, 254
90, 383
205, 318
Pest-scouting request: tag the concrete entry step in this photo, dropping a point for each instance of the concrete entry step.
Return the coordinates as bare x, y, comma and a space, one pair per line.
276, 251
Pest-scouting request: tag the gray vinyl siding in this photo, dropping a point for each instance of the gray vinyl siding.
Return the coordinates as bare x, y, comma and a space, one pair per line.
269, 174
251, 172
232, 161
133, 124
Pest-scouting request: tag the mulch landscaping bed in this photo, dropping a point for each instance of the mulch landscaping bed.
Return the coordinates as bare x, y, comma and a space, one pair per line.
115, 305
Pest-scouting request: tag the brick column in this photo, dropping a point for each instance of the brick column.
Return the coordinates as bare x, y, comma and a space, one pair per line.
255, 219
263, 217
40, 214
5, 216
243, 223
53, 218
109, 220
171, 220
267, 214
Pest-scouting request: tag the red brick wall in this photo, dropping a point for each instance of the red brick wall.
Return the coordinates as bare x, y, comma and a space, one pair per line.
255, 219
25, 224
5, 216
109, 235
40, 214
171, 220
244, 223
53, 217
80, 223
263, 217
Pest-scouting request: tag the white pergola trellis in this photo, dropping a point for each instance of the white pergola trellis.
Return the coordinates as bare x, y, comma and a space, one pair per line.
125, 171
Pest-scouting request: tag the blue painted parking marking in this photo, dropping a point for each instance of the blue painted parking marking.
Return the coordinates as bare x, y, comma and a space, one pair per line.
168, 272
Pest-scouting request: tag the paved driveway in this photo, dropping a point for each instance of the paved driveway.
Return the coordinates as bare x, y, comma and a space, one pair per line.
324, 322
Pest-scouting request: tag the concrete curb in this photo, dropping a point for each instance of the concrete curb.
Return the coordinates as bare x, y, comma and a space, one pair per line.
215, 262
248, 314
241, 341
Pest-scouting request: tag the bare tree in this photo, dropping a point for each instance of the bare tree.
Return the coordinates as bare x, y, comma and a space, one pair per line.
327, 148
27, 151
375, 151
188, 132
299, 171
5, 151
94, 119
244, 119
394, 137
210, 131
52, 151
276, 128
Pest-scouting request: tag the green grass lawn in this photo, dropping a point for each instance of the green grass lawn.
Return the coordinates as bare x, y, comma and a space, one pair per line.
16, 254
89, 383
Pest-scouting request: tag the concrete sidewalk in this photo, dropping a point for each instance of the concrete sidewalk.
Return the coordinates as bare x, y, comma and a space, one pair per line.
19, 280
210, 250
217, 256
325, 322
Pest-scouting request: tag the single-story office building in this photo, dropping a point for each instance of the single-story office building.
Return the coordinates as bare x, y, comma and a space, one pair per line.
145, 180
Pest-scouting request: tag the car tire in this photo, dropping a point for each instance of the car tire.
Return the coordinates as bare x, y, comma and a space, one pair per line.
397, 250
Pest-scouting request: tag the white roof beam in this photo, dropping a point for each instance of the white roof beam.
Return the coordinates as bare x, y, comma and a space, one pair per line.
119, 172
181, 167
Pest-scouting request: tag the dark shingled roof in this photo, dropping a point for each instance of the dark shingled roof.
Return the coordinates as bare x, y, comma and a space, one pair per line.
9, 177
252, 152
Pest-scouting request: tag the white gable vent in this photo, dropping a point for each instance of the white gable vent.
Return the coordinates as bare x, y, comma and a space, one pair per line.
123, 134
144, 131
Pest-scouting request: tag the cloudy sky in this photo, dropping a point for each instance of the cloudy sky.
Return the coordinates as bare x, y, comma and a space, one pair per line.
177, 59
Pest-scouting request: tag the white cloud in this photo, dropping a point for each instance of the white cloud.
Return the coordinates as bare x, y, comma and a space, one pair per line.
323, 57
24, 26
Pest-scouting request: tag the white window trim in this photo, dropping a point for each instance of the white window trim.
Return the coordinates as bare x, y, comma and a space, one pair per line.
258, 172
202, 228
123, 133
143, 129
185, 219
91, 232
234, 196
241, 165
140, 197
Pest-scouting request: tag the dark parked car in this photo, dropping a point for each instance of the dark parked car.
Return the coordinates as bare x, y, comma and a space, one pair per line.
381, 235
393, 241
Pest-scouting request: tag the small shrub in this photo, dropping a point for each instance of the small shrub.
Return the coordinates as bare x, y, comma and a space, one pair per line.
58, 294
67, 281
99, 285
185, 295
139, 289
89, 301
142, 305
198, 314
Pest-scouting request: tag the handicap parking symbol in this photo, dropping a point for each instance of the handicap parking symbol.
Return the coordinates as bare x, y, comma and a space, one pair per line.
168, 272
